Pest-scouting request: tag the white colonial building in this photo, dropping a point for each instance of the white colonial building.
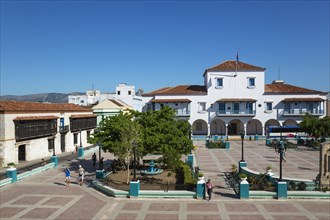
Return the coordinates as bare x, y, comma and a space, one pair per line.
125, 93
30, 131
235, 98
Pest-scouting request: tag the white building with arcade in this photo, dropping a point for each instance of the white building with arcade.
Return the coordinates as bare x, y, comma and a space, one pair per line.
235, 98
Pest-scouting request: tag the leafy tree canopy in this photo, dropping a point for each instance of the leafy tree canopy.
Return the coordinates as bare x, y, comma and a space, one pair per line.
165, 135
117, 134
154, 132
317, 127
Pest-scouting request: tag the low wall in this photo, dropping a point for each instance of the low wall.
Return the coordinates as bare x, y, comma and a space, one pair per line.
27, 173
110, 191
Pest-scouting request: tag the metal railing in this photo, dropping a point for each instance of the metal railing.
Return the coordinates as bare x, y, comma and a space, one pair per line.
182, 112
236, 112
302, 112
64, 129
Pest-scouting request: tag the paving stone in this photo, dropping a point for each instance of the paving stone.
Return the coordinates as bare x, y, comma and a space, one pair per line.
246, 217
202, 207
8, 212
57, 201
164, 207
126, 216
289, 217
234, 207
285, 207
28, 200
162, 217
203, 217
132, 206
39, 213
317, 207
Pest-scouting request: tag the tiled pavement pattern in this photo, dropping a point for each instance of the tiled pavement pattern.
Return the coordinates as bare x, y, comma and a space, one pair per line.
173, 209
45, 196
300, 163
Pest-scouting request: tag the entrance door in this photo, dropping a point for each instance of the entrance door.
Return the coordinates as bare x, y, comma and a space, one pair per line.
63, 142
232, 129
21, 153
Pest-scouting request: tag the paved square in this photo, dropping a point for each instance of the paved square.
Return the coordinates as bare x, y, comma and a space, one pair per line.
44, 196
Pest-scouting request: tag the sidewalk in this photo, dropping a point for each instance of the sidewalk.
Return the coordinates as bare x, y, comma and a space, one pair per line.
29, 165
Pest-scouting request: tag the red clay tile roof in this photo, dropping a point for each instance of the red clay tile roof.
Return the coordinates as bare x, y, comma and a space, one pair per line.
303, 100
36, 107
36, 118
179, 90
169, 100
83, 116
279, 88
230, 66
236, 100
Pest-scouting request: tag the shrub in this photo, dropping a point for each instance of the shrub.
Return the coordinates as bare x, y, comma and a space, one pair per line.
290, 145
216, 144
242, 175
233, 169
200, 175
11, 164
301, 186
292, 186
187, 176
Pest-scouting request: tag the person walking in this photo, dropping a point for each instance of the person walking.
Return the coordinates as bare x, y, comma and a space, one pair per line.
67, 176
94, 158
101, 163
209, 187
81, 173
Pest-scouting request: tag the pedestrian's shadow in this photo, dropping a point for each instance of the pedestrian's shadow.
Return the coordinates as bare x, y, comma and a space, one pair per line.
61, 184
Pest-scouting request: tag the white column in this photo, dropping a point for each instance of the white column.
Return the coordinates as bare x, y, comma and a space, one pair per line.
263, 130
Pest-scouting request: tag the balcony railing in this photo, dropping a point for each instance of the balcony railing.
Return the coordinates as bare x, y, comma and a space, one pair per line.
291, 112
64, 129
182, 112
236, 113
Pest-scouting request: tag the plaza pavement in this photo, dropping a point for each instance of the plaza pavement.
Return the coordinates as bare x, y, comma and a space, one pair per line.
45, 196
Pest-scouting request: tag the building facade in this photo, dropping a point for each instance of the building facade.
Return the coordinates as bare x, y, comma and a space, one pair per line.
235, 99
30, 131
125, 93
108, 108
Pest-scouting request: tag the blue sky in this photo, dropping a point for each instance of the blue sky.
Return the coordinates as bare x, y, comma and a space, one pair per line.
69, 46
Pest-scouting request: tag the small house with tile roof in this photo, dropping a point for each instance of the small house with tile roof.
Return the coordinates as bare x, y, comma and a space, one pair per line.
30, 130
110, 107
235, 99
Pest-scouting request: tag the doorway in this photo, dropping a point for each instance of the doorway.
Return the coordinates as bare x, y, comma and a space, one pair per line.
63, 143
21, 153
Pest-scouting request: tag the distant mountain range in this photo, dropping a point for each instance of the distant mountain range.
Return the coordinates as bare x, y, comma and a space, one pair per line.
42, 97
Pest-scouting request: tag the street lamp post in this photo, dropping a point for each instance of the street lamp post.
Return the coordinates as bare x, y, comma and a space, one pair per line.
134, 165
53, 140
242, 138
96, 131
100, 148
80, 139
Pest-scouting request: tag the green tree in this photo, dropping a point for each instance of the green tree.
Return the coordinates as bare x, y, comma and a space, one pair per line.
315, 126
166, 135
118, 134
